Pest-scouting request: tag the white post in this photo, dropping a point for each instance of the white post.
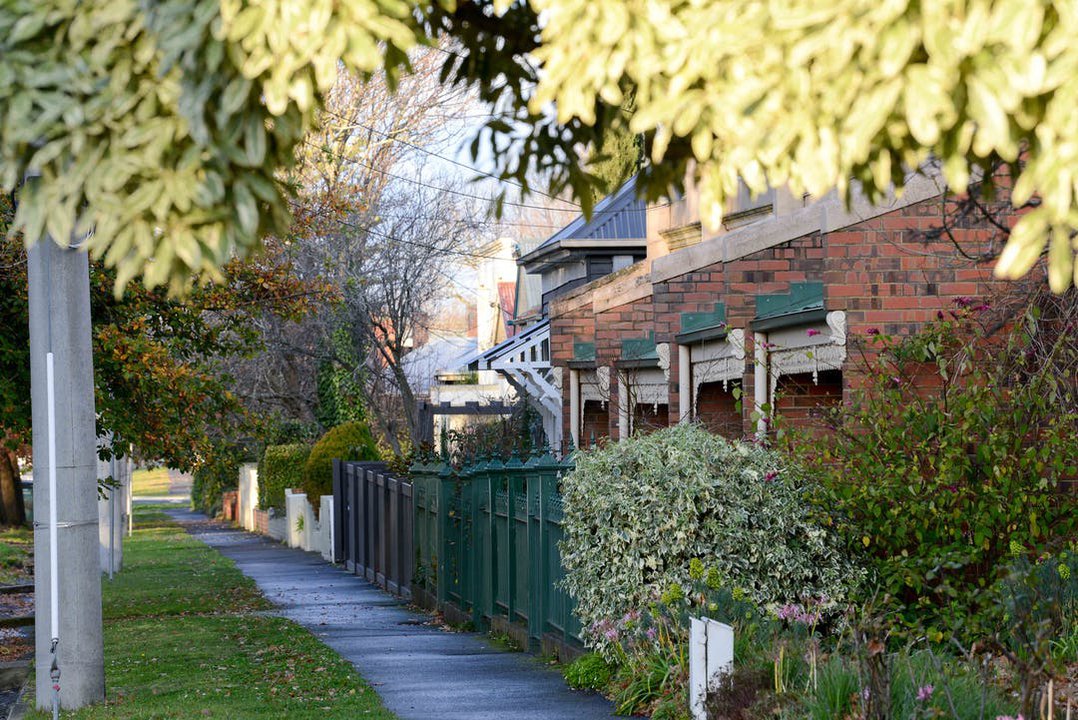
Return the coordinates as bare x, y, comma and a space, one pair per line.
128, 471
684, 383
574, 406
711, 655
760, 381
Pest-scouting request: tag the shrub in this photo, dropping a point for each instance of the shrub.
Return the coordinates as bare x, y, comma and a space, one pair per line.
215, 474
350, 441
588, 672
281, 467
638, 511
938, 489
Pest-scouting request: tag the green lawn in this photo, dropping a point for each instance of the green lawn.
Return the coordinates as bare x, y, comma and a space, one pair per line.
16, 549
184, 638
149, 482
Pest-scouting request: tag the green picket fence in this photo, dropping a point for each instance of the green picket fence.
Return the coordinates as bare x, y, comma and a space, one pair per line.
486, 541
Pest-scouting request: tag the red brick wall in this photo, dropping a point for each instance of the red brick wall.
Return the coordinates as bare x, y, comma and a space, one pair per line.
648, 417
800, 401
595, 423
882, 272
716, 409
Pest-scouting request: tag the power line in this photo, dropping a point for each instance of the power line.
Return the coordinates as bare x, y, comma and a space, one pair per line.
469, 195
470, 168
426, 246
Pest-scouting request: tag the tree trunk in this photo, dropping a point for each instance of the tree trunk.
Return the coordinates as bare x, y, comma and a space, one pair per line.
12, 510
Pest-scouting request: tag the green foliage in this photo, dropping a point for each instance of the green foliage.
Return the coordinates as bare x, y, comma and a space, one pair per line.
280, 468
136, 127
168, 143
215, 474
638, 511
520, 433
158, 383
922, 685
617, 157
351, 441
938, 489
340, 397
657, 678
815, 95
590, 671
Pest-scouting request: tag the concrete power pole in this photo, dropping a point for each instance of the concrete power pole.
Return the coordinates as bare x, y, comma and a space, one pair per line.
59, 283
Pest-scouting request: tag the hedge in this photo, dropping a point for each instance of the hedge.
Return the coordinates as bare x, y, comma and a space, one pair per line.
281, 467
638, 511
350, 441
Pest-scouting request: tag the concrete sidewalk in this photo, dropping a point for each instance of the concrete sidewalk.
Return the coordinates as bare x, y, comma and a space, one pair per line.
421, 672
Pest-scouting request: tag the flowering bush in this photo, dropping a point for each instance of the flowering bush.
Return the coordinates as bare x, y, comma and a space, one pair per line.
639, 511
953, 457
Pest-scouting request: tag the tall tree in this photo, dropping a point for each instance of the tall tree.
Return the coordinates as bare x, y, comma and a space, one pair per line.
361, 178
137, 127
618, 156
157, 361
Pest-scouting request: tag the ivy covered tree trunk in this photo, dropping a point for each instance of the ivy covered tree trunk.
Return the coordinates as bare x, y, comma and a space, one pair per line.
12, 510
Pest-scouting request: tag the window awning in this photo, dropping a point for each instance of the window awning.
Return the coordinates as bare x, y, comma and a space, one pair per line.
802, 305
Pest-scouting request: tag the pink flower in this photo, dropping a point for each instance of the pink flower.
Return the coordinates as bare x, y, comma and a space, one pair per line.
873, 331
1008, 717
963, 301
939, 314
771, 475
812, 332
925, 692
611, 635
651, 633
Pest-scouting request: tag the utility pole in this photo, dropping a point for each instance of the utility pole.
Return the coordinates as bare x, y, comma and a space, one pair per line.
59, 288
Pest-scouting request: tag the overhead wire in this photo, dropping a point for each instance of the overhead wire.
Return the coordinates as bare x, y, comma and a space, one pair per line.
471, 168
451, 191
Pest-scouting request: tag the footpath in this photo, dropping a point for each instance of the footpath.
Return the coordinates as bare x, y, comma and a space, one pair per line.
421, 672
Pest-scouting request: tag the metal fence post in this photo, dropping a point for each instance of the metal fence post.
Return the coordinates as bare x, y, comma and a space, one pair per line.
546, 468
444, 482
515, 486
499, 535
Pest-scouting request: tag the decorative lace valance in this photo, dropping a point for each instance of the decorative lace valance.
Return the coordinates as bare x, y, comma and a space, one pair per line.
810, 350
595, 385
718, 361
647, 386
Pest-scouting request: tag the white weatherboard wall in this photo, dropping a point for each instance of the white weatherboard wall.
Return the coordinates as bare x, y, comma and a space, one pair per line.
248, 496
711, 655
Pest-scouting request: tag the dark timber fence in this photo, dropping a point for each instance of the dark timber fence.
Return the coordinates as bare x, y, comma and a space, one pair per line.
479, 543
374, 514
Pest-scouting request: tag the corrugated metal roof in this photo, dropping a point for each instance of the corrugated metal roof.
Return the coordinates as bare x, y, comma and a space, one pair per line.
618, 216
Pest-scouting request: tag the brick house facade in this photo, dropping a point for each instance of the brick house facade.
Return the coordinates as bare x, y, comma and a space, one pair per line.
785, 295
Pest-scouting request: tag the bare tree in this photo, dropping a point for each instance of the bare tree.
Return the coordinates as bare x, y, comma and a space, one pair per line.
394, 267
369, 143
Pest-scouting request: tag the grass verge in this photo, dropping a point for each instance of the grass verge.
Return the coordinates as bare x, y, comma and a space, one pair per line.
16, 550
150, 482
184, 638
